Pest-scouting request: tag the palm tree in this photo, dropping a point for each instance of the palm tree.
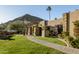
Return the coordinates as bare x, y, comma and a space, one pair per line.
49, 9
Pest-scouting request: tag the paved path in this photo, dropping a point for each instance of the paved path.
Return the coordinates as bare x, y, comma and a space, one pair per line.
64, 49
64, 41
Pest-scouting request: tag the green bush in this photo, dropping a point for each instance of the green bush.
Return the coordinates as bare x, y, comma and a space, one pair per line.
71, 39
74, 42
63, 35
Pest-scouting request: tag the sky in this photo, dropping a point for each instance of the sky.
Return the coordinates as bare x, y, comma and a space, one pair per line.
10, 12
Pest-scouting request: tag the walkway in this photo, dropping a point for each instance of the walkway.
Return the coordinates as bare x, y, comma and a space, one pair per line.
64, 41
64, 49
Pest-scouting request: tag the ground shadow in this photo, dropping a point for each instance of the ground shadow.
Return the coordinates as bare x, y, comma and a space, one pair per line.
6, 37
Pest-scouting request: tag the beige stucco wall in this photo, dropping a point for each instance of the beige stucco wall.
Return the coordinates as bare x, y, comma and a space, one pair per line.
67, 21
41, 24
55, 22
73, 17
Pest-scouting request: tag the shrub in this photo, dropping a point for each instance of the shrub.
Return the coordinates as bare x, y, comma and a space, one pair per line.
60, 35
74, 42
71, 39
63, 35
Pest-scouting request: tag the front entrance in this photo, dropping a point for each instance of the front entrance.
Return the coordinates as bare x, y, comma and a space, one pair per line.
31, 31
40, 31
59, 28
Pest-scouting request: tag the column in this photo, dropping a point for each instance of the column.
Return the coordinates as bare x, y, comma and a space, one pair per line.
34, 31
28, 30
43, 32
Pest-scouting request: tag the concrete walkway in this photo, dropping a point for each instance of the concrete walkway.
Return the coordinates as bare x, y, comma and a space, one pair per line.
64, 49
64, 41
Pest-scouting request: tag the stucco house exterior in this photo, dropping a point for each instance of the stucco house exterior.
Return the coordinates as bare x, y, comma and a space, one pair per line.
56, 26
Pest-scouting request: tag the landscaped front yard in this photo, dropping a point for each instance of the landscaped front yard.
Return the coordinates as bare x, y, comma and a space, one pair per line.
52, 40
21, 45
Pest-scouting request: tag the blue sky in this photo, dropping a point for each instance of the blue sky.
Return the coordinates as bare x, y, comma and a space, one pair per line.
10, 12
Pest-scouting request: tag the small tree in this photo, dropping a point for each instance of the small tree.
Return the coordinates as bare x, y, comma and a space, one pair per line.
18, 26
2, 27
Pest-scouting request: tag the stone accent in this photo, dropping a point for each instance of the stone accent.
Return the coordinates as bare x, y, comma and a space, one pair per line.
66, 22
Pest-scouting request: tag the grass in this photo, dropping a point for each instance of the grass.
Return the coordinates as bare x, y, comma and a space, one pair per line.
21, 45
52, 40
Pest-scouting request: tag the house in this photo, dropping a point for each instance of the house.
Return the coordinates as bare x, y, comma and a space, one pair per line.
56, 26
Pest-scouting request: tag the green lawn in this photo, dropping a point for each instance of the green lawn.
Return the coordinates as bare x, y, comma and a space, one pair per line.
21, 45
53, 40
